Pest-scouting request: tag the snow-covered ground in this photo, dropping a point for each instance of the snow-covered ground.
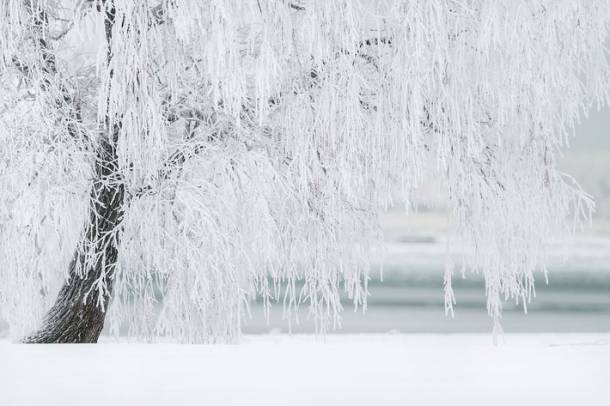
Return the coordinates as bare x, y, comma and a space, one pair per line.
303, 370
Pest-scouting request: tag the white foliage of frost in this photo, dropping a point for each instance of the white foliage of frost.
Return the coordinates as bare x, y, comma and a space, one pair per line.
259, 139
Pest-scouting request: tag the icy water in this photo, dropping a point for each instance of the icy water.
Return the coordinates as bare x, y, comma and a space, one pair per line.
410, 299
571, 302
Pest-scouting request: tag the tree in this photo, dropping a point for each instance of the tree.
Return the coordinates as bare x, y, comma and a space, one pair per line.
211, 151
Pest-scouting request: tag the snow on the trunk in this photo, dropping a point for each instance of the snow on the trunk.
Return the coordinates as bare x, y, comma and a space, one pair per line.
303, 370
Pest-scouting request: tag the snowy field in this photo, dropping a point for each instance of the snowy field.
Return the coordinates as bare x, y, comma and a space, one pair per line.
564, 369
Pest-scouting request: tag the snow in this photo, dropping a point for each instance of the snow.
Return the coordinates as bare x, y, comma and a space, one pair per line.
544, 369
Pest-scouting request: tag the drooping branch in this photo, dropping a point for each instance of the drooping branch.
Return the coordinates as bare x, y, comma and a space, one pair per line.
51, 83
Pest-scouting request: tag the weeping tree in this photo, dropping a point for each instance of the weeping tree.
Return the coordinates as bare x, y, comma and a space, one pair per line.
200, 154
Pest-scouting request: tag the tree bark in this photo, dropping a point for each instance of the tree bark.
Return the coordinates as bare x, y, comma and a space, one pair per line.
80, 308
78, 315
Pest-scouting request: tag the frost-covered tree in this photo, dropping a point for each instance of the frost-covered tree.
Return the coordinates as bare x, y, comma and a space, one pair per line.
209, 151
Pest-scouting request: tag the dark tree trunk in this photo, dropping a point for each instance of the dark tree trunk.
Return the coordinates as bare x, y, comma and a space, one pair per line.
76, 316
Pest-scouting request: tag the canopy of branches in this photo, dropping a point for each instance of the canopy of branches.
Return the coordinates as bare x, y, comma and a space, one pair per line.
258, 140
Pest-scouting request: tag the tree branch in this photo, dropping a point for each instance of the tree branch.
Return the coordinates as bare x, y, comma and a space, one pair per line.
295, 6
64, 100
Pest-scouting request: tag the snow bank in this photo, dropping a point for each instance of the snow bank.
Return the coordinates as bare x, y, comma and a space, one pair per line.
304, 370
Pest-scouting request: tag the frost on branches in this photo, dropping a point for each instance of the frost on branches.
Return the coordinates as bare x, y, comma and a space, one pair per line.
201, 153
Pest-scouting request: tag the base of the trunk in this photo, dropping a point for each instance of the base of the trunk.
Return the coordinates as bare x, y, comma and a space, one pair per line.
74, 318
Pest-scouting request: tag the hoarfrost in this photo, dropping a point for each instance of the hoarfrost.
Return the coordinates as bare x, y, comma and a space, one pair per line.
258, 141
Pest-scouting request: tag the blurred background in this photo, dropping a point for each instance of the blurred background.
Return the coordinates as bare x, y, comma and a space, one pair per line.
410, 297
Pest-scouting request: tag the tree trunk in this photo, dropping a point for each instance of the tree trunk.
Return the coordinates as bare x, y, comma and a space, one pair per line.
77, 316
